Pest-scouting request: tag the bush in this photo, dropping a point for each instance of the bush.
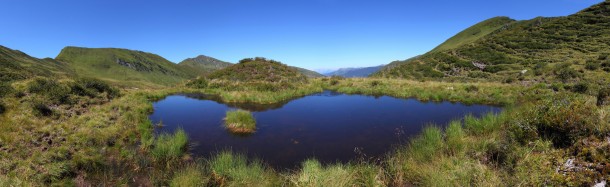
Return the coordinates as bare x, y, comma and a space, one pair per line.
5, 89
51, 89
40, 109
592, 65
562, 119
472, 88
581, 87
603, 97
564, 72
199, 83
2, 108
375, 83
93, 88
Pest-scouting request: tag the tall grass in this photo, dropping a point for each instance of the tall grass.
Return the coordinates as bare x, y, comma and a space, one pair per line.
230, 169
170, 146
192, 176
240, 121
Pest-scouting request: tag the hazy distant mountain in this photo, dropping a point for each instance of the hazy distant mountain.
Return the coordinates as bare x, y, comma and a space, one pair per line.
355, 72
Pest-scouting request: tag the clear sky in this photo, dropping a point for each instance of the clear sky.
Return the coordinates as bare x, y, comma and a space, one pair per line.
314, 34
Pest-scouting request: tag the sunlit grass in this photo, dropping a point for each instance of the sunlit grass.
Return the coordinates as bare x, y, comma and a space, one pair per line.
240, 121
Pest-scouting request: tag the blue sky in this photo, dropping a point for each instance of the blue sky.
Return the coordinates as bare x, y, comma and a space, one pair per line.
314, 34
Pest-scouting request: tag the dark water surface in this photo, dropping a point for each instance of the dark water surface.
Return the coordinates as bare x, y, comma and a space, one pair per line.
329, 126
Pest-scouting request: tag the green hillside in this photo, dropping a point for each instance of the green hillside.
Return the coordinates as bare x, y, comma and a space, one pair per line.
16, 65
203, 65
308, 73
124, 67
474, 33
562, 48
259, 69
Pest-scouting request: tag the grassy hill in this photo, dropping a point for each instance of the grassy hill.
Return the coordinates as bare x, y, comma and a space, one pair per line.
474, 33
259, 69
308, 73
203, 65
561, 48
16, 65
124, 67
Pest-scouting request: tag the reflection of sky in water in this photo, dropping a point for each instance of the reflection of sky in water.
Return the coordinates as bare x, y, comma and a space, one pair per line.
329, 126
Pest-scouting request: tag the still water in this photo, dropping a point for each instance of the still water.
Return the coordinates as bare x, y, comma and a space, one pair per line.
330, 126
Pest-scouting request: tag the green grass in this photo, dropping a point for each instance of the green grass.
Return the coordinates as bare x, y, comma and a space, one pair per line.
230, 169
240, 121
191, 176
474, 33
170, 146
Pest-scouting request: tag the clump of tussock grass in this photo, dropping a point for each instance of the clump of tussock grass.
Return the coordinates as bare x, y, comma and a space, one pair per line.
240, 122
191, 176
314, 174
231, 169
170, 146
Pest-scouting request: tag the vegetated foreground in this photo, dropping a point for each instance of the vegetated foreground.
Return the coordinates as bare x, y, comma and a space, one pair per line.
76, 145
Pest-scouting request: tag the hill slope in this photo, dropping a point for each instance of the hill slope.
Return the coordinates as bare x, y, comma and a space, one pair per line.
16, 65
124, 67
355, 72
203, 65
258, 69
560, 48
474, 33
308, 73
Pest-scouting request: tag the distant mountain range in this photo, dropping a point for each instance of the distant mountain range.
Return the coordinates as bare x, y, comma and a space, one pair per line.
355, 72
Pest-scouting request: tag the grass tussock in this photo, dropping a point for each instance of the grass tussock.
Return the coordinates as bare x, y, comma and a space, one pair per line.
240, 121
313, 174
231, 169
170, 146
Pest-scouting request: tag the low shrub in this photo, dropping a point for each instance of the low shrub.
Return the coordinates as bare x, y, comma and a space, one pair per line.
5, 89
40, 109
581, 87
199, 83
93, 88
55, 92
603, 97
472, 88
561, 119
592, 65
2, 108
375, 83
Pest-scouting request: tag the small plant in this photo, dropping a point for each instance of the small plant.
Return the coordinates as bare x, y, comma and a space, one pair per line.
93, 88
240, 122
5, 89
